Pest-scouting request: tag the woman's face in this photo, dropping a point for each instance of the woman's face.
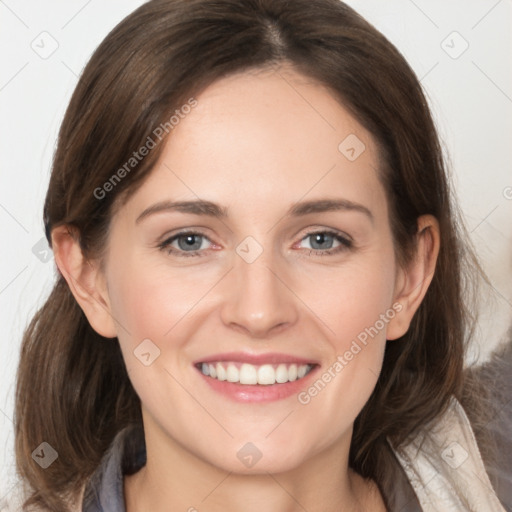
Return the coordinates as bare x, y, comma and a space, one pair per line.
277, 260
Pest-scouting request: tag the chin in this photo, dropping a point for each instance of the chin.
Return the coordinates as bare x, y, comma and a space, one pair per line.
253, 457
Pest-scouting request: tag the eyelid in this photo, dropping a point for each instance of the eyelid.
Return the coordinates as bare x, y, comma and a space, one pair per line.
345, 240
331, 231
165, 242
184, 231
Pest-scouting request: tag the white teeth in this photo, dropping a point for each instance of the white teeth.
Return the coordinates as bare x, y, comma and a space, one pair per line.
232, 373
266, 374
221, 372
282, 374
249, 374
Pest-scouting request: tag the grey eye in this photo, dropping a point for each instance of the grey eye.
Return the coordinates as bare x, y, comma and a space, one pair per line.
189, 242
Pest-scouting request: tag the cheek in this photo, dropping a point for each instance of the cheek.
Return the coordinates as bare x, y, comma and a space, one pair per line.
150, 300
356, 307
352, 299
152, 307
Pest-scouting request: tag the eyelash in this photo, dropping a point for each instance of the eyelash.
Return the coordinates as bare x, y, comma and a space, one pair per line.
345, 244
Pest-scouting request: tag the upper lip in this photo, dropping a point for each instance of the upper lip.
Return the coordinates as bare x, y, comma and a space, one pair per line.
255, 359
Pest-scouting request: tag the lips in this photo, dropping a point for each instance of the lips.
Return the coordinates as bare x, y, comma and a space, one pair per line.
256, 359
255, 369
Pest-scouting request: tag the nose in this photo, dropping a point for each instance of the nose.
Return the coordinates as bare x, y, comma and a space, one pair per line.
257, 298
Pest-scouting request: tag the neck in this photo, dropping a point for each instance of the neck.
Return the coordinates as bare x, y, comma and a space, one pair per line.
176, 479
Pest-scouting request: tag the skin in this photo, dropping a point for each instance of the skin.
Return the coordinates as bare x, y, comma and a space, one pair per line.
257, 143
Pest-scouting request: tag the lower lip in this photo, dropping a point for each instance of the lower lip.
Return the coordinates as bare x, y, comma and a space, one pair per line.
258, 392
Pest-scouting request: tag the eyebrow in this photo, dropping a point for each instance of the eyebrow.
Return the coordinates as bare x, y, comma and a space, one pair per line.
202, 207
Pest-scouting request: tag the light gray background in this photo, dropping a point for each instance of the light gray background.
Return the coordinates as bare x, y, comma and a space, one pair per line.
470, 94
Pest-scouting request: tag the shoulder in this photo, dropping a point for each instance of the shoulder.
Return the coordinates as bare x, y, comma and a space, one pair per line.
495, 378
443, 462
104, 490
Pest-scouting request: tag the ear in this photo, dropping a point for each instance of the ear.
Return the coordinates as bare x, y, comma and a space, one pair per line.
412, 282
85, 280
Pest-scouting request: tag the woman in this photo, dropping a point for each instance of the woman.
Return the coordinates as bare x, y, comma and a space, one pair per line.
259, 301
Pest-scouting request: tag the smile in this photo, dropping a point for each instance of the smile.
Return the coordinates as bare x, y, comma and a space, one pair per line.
249, 374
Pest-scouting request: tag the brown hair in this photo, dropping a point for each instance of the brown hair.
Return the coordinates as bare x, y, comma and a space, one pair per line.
148, 66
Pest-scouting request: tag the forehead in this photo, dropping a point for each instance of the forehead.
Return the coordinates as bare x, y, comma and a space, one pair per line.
265, 137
